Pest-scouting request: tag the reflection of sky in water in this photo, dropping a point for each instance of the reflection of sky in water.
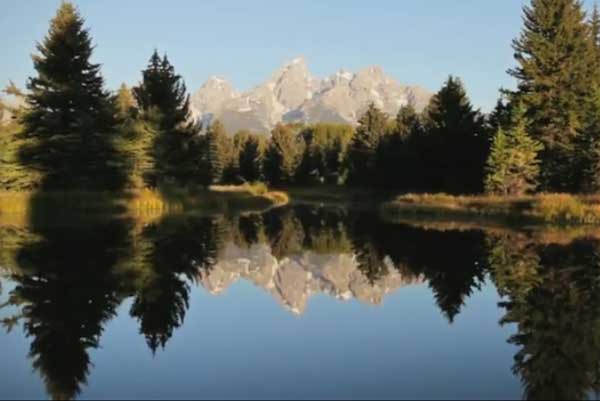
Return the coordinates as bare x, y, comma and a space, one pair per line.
244, 344
297, 302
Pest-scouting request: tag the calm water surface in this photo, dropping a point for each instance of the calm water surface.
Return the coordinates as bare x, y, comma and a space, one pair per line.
298, 302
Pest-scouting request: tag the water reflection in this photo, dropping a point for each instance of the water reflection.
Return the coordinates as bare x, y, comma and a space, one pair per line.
553, 295
68, 280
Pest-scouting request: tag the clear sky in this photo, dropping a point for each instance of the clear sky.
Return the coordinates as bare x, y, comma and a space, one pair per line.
415, 41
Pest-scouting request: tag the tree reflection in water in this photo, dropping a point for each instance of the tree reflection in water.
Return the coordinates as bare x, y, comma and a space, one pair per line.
71, 278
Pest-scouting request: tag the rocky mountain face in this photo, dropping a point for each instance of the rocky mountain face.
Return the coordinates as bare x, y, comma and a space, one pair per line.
292, 281
292, 94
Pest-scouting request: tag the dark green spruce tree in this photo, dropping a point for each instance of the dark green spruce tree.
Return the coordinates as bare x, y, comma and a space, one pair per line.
554, 63
163, 100
588, 152
454, 149
250, 158
362, 152
69, 123
397, 156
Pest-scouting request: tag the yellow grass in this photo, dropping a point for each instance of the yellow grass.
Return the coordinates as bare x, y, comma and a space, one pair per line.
145, 204
542, 208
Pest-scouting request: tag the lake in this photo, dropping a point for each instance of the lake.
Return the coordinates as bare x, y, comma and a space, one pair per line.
296, 302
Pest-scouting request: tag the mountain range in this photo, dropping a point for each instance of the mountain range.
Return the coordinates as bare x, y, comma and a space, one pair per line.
293, 94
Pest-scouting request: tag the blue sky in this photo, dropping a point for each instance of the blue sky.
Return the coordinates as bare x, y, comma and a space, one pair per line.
415, 41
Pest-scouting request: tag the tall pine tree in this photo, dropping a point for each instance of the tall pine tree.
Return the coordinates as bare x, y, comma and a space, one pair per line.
397, 156
250, 158
362, 152
70, 121
216, 152
162, 97
553, 73
454, 149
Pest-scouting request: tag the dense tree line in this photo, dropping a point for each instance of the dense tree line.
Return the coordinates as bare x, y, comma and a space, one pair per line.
545, 135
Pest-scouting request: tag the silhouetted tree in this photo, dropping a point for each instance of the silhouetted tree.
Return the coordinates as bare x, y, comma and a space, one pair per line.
164, 103
251, 157
454, 149
398, 155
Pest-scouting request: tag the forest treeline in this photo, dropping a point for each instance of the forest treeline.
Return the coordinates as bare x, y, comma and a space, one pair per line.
543, 136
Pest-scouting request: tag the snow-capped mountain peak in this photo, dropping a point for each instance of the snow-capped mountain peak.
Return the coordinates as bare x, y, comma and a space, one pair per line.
292, 94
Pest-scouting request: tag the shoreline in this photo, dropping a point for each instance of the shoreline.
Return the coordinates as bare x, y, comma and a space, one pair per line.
540, 209
144, 201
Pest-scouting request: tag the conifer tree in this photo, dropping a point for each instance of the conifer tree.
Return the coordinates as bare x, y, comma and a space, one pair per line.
164, 103
69, 121
216, 152
282, 156
407, 122
454, 149
397, 156
513, 165
589, 146
553, 73
325, 146
362, 152
125, 102
251, 158
137, 140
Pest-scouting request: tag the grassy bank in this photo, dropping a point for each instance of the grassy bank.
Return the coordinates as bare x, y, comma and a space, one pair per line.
336, 195
558, 209
143, 202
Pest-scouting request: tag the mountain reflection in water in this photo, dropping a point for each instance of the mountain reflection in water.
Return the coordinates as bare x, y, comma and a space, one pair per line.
63, 282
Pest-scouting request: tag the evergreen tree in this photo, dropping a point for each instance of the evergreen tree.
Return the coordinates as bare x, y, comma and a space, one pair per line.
513, 165
164, 103
137, 140
325, 146
553, 73
501, 116
454, 149
125, 102
589, 147
397, 156
595, 43
69, 121
282, 156
362, 153
251, 157
216, 152
407, 122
